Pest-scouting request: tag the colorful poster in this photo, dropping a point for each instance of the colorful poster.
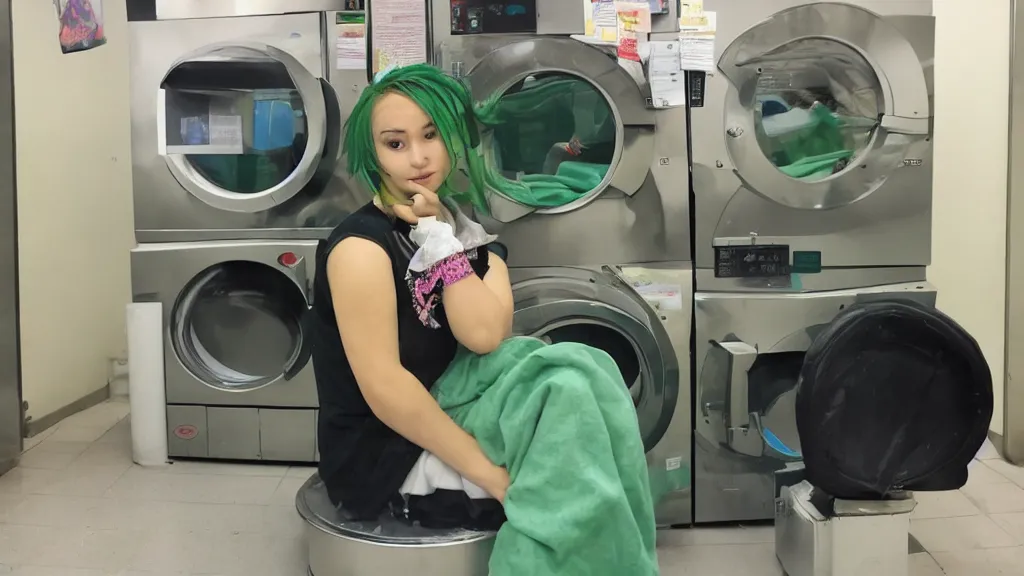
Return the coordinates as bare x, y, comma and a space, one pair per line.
398, 31
81, 24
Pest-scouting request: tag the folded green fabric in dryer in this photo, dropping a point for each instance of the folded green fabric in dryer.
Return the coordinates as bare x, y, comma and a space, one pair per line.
571, 182
559, 418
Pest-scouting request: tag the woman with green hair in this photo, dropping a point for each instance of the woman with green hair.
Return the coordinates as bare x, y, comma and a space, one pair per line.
378, 344
412, 297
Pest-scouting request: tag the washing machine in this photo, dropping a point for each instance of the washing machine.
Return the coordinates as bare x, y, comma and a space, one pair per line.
641, 316
812, 191
238, 375
587, 172
237, 114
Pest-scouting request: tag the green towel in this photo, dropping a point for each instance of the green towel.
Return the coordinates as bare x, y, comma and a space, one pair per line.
559, 418
573, 180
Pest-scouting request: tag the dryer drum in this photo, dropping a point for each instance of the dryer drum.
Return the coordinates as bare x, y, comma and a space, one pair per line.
237, 325
893, 395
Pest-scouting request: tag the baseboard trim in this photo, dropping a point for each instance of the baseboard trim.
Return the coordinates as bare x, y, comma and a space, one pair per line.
8, 465
37, 425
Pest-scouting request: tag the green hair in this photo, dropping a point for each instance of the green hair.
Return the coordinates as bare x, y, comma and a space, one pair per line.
449, 105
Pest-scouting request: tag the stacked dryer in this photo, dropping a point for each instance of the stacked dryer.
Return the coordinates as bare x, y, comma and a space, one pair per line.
236, 128
600, 251
812, 183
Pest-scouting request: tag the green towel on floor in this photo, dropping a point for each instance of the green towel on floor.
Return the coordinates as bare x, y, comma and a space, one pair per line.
559, 418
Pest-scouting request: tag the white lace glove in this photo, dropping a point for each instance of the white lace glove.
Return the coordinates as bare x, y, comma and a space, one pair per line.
436, 240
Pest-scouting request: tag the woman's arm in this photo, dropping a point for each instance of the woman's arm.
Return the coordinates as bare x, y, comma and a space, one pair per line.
365, 304
479, 311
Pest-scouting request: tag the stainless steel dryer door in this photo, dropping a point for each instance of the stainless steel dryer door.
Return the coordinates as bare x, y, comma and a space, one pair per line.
824, 103
562, 123
242, 124
580, 306
234, 320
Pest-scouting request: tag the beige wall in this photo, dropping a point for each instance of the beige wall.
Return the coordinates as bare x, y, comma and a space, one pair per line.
971, 106
74, 204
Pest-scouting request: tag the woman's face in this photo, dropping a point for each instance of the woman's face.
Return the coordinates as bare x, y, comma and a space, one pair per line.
408, 145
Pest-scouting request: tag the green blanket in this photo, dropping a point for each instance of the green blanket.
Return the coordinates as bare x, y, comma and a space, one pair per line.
559, 418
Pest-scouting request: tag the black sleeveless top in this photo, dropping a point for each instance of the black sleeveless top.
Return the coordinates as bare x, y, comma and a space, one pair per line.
363, 463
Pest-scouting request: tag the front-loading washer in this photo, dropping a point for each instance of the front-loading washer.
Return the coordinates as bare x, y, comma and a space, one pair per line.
238, 376
640, 315
237, 114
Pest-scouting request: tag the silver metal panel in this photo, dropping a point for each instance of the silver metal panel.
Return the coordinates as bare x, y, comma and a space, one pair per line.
288, 435
1013, 396
735, 193
642, 207
187, 432
160, 272
646, 310
558, 18
164, 210
11, 418
234, 433
182, 9
734, 469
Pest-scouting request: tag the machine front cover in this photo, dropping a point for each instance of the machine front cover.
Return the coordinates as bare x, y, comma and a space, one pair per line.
893, 395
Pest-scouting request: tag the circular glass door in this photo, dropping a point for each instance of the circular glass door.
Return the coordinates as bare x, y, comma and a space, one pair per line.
825, 101
550, 141
603, 317
244, 126
816, 108
238, 326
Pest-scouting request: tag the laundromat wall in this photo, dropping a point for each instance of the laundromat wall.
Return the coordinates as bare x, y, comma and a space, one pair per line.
75, 202
74, 208
969, 202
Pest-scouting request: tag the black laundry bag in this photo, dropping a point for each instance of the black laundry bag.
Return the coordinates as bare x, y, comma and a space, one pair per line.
893, 395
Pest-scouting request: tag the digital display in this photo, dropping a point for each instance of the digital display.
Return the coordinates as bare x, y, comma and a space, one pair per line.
493, 16
751, 261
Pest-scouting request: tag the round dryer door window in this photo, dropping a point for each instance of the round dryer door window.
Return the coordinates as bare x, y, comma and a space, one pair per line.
817, 108
552, 137
825, 101
605, 317
244, 126
238, 326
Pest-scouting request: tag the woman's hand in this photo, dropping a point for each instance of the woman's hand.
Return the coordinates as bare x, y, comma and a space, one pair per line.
496, 483
425, 203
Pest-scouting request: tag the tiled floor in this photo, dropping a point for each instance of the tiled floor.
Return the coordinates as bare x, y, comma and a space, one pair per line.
77, 506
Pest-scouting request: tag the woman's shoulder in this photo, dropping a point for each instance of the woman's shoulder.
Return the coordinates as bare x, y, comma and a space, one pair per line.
369, 224
366, 220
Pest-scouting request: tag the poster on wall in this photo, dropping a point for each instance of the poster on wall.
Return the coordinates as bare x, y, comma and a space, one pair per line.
351, 41
81, 24
398, 33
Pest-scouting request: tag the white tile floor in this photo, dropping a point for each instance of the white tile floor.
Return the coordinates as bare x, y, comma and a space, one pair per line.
77, 506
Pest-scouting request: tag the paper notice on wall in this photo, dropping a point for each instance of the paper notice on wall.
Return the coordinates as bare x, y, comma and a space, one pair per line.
668, 85
398, 31
351, 42
691, 13
697, 41
633, 25
605, 21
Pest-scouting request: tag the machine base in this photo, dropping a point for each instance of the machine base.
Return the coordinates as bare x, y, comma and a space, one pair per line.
341, 547
854, 539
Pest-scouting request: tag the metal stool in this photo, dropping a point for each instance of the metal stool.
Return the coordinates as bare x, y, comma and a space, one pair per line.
386, 547
854, 538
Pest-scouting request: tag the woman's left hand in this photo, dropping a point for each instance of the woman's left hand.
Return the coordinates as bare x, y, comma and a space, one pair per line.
425, 203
